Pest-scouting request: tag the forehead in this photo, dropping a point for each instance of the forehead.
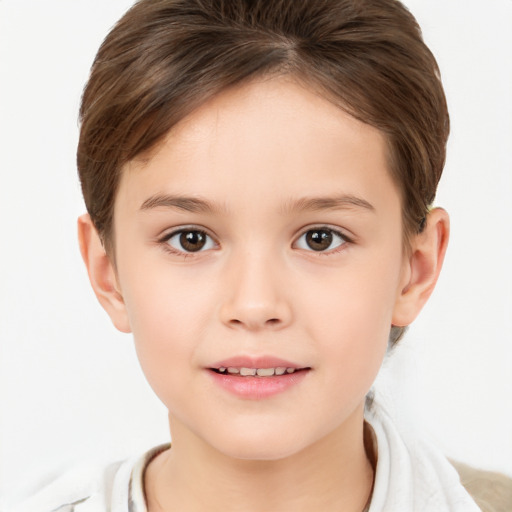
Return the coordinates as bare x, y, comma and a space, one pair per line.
270, 135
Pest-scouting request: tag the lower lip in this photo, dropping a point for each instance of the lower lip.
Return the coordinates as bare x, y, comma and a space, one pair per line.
258, 388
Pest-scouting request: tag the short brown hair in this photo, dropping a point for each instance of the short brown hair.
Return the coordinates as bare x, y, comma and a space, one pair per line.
166, 57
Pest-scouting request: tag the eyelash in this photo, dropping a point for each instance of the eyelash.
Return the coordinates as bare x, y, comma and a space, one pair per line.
210, 242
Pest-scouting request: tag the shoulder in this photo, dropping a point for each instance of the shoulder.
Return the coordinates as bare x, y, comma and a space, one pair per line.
411, 473
491, 491
86, 488
116, 487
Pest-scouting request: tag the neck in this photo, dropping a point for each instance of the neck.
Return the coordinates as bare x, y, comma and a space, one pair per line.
333, 474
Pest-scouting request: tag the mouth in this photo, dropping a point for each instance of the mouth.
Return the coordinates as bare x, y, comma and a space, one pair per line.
257, 378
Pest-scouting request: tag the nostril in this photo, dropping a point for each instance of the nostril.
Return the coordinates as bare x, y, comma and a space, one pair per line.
271, 322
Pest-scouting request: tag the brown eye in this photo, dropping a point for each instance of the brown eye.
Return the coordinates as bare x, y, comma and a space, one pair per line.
320, 240
192, 240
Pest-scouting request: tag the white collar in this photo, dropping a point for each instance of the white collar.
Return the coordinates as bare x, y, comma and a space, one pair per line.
411, 474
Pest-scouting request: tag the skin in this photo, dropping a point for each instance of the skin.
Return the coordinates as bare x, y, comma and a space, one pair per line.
258, 155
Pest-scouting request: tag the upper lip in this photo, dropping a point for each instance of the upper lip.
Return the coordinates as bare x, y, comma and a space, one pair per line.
255, 362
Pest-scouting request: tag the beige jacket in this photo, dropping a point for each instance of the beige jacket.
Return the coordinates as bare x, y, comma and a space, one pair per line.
491, 491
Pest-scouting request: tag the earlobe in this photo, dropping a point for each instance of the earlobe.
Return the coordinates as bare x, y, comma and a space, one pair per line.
424, 264
102, 273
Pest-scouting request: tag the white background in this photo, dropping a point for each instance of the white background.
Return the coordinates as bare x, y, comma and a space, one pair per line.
70, 386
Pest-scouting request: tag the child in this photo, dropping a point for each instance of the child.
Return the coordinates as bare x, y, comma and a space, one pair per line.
259, 179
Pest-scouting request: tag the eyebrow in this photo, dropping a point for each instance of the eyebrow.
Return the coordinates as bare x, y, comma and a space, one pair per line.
188, 204
339, 202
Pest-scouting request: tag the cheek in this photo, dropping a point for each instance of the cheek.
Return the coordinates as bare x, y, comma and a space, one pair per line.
165, 302
167, 316
351, 321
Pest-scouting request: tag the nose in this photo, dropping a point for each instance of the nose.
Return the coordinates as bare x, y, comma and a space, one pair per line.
256, 294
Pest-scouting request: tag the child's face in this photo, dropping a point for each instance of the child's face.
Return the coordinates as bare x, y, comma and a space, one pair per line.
265, 232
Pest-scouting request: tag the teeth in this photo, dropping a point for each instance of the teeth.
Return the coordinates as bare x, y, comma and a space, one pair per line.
260, 372
265, 372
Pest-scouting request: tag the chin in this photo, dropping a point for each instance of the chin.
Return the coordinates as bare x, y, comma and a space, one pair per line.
261, 444
261, 452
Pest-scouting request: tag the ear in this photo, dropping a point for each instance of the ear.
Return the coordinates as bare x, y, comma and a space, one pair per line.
102, 274
422, 268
